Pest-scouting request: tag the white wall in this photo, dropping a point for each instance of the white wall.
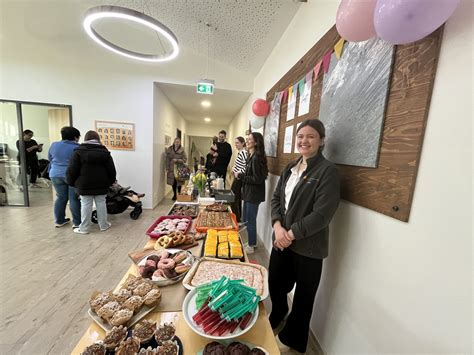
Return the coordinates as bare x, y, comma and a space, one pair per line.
390, 286
166, 119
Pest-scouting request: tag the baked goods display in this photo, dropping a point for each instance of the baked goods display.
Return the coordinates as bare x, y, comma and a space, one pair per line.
114, 337
207, 270
144, 331
223, 244
165, 332
128, 346
188, 210
218, 207
169, 225
215, 220
168, 265
234, 348
94, 349
136, 297
173, 240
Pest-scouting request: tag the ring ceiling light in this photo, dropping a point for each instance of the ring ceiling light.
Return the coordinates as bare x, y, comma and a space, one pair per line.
101, 12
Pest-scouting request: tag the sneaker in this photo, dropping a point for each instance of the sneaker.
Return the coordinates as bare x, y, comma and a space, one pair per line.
283, 348
249, 249
78, 231
108, 226
66, 221
75, 226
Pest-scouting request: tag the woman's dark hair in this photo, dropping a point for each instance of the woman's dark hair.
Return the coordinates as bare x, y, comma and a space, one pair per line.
70, 133
260, 151
317, 125
241, 140
90, 135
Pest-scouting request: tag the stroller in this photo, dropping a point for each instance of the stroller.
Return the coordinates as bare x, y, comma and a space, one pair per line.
119, 199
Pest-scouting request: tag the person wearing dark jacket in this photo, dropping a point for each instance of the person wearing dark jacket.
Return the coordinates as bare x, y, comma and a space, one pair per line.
304, 202
253, 185
91, 171
222, 156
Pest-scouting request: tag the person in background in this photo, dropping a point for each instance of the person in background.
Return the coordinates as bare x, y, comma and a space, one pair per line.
91, 170
174, 154
253, 185
212, 155
31, 147
239, 167
222, 156
304, 202
59, 156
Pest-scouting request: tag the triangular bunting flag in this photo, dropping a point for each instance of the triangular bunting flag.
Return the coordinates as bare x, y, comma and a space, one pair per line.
338, 48
290, 91
309, 77
327, 60
285, 95
316, 70
301, 86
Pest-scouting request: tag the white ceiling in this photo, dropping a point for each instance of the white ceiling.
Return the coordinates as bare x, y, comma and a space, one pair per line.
242, 35
225, 104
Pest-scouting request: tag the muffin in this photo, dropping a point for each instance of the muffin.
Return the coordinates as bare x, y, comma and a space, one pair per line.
121, 317
122, 295
164, 332
94, 349
132, 282
107, 311
214, 348
152, 298
144, 331
129, 346
257, 351
167, 348
133, 303
148, 351
142, 289
237, 348
114, 337
99, 300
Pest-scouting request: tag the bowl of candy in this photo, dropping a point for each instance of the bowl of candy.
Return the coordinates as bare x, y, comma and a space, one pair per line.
222, 309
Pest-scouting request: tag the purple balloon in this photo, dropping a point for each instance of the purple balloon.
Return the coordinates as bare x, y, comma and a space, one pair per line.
406, 21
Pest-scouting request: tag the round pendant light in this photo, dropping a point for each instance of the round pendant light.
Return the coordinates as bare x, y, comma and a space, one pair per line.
118, 12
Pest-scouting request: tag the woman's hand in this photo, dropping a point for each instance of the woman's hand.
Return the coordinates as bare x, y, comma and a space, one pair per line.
236, 174
282, 237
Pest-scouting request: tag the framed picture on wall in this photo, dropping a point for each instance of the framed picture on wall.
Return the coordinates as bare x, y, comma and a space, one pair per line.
116, 135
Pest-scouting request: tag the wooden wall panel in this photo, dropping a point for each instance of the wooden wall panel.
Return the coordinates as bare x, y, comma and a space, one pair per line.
389, 188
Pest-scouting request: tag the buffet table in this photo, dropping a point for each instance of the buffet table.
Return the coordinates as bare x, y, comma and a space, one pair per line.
170, 310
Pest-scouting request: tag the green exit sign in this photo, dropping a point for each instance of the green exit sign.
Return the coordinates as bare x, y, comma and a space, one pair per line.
205, 87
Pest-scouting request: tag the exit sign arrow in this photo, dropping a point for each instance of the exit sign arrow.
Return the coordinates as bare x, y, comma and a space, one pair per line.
205, 87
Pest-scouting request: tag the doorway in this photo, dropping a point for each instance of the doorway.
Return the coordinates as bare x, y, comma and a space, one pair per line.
24, 178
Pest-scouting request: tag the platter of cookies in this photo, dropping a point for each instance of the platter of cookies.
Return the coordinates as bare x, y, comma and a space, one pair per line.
166, 267
146, 337
166, 225
216, 220
126, 306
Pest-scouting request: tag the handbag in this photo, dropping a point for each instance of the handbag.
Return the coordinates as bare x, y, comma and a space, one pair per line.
181, 172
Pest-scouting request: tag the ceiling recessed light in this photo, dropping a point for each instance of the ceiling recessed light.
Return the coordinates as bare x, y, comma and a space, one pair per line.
207, 119
205, 103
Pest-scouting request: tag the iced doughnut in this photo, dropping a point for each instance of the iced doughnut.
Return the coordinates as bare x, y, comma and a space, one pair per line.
165, 264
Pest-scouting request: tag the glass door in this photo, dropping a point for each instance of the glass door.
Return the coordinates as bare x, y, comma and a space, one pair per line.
13, 182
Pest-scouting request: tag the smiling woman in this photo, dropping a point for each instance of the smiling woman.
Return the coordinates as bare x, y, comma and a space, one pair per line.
117, 12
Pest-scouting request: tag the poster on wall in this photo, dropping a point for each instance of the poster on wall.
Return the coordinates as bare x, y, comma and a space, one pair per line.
305, 96
167, 140
116, 135
292, 92
288, 140
272, 124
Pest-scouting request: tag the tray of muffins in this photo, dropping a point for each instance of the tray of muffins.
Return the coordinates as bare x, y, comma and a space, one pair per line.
232, 347
146, 338
126, 306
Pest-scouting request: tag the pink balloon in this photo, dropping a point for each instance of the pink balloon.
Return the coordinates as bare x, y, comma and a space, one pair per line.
406, 21
355, 20
260, 108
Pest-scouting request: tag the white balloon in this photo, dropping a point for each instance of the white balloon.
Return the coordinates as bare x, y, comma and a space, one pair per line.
257, 122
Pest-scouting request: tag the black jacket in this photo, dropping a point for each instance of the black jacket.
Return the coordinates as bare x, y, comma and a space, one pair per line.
224, 151
253, 181
91, 170
312, 206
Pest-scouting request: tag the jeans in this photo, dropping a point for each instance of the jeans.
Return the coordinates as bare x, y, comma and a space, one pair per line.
287, 269
86, 212
65, 193
250, 216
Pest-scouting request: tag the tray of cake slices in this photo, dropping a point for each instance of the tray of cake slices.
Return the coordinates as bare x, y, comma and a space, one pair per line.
222, 244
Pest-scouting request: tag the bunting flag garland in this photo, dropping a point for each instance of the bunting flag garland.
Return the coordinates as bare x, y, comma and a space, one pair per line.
316, 70
327, 60
301, 86
284, 95
338, 48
